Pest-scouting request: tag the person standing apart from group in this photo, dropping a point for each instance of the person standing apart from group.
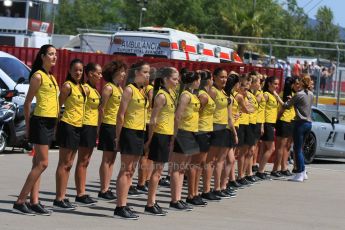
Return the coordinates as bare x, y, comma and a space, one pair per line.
44, 87
68, 132
114, 74
88, 134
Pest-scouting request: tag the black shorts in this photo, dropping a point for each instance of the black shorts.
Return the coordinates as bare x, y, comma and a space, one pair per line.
68, 136
231, 141
160, 148
203, 139
284, 129
246, 135
268, 132
42, 130
258, 131
107, 135
185, 142
132, 141
146, 133
88, 136
220, 136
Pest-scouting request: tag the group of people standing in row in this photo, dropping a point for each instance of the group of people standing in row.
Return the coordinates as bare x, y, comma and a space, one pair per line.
197, 121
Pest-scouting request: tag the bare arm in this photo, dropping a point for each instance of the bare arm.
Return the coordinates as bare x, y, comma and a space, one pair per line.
244, 107
160, 101
35, 84
230, 123
184, 101
126, 97
106, 93
64, 93
203, 101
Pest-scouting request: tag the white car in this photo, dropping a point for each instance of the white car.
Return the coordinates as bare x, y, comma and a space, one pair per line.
11, 69
326, 139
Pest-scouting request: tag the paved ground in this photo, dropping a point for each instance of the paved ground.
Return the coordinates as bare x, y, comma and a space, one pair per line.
315, 204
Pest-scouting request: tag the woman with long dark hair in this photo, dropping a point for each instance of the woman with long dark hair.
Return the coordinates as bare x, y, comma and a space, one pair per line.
73, 96
88, 134
40, 126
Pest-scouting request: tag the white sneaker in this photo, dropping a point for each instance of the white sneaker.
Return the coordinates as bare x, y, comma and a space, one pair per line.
299, 177
305, 175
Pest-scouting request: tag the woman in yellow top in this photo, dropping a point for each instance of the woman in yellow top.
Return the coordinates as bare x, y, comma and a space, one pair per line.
40, 127
205, 126
271, 113
88, 134
130, 131
228, 174
185, 144
68, 131
285, 130
161, 130
114, 74
220, 137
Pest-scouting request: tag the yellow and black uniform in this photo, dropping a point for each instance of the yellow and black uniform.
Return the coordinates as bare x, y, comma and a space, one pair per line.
271, 113
107, 131
245, 134
253, 119
164, 129
185, 141
284, 126
205, 123
68, 133
43, 120
220, 135
134, 126
88, 133
260, 120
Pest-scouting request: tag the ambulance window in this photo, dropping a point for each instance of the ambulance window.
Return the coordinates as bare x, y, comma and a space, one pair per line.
124, 54
156, 56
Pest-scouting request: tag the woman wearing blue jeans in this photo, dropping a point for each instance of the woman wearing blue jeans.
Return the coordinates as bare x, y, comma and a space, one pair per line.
302, 102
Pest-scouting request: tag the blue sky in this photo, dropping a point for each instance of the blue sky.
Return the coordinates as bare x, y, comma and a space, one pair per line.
311, 6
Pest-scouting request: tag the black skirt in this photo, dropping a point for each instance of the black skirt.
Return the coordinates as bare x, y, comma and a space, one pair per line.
132, 141
220, 136
107, 135
88, 136
284, 129
42, 130
160, 148
203, 139
268, 132
68, 136
185, 143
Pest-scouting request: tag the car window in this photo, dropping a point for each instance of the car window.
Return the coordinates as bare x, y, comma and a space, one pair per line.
14, 69
319, 117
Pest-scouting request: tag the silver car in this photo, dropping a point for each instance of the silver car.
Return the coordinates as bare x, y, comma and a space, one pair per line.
326, 139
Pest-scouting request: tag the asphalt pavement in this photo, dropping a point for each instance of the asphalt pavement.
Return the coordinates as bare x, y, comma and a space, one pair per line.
318, 203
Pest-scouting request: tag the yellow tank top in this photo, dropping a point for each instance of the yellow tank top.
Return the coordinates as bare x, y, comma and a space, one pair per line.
74, 106
261, 110
206, 114
190, 118
235, 110
47, 96
244, 117
135, 116
113, 104
149, 108
91, 106
165, 119
288, 114
271, 109
252, 100
221, 113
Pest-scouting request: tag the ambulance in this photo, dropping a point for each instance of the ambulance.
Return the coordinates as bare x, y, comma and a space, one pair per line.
167, 43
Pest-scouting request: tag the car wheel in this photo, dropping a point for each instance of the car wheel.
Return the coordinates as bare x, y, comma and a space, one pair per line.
3, 142
309, 148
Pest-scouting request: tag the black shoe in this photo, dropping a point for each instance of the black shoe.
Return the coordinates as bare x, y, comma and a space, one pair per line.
251, 179
196, 201
286, 173
229, 192
133, 191
165, 182
40, 209
85, 200
142, 189
276, 174
262, 176
22, 209
125, 213
108, 195
294, 171
201, 200
63, 205
234, 184
154, 210
221, 194
255, 168
179, 206
210, 196
243, 182
188, 207
147, 183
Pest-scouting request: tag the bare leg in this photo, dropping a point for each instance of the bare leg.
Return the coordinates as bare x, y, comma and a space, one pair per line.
268, 150
84, 155
106, 169
153, 184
